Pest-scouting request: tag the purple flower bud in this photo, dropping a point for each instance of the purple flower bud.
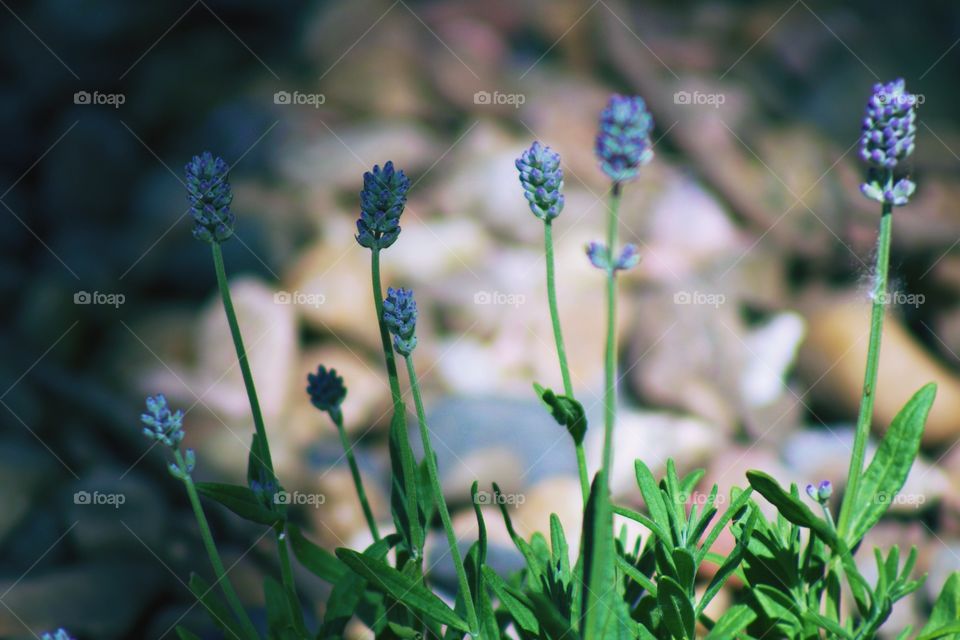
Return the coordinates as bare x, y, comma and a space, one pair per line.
326, 391
382, 200
623, 142
400, 316
598, 255
209, 194
628, 259
542, 179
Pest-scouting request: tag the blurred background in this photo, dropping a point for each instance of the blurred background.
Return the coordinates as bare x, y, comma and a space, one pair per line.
743, 330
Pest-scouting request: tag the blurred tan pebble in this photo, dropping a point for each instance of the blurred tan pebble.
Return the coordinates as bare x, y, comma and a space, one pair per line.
835, 354
560, 495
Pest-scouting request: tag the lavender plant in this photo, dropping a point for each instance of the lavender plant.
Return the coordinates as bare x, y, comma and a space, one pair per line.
796, 567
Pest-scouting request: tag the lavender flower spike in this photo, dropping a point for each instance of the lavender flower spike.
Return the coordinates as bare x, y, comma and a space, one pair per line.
889, 137
382, 200
400, 316
623, 142
209, 194
542, 180
161, 423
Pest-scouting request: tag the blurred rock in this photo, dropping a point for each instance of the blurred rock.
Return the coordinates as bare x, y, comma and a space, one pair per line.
25, 470
116, 513
338, 517
66, 597
560, 495
834, 356
330, 286
462, 426
651, 437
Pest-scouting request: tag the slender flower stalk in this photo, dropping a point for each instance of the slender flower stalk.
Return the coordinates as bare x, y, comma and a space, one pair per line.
400, 316
622, 146
542, 179
166, 427
889, 134
210, 196
327, 392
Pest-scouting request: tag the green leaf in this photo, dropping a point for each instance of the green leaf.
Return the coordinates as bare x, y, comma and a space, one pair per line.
730, 564
888, 470
647, 522
280, 613
401, 587
778, 606
790, 506
599, 617
653, 499
516, 604
552, 623
183, 634
826, 623
732, 623
946, 610
257, 470
634, 574
678, 614
316, 559
241, 500
951, 629
566, 411
222, 617
404, 499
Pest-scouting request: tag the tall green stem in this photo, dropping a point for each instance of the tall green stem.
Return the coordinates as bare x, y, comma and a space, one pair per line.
225, 585
610, 360
357, 481
384, 333
241, 354
286, 570
441, 503
865, 417
561, 349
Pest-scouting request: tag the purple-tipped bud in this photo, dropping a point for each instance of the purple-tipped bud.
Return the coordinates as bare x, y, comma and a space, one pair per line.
382, 200
629, 257
162, 424
623, 142
400, 316
542, 179
598, 255
59, 634
820, 493
209, 194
